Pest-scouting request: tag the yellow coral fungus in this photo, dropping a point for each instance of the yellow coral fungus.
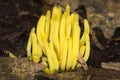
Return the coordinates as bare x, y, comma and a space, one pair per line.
56, 40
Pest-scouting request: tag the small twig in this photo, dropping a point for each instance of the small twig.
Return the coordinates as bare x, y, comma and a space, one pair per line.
82, 61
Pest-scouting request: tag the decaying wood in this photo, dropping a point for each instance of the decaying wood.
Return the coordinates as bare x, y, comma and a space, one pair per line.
23, 69
18, 68
111, 65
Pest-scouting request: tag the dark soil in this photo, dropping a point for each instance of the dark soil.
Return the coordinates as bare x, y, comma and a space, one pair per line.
17, 17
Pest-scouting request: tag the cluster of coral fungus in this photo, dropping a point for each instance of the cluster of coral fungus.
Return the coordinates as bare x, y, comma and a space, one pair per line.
56, 41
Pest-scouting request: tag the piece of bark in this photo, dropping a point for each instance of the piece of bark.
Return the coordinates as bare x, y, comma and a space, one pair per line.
111, 65
21, 68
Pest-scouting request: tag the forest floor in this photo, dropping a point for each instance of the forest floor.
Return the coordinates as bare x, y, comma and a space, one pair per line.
17, 17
